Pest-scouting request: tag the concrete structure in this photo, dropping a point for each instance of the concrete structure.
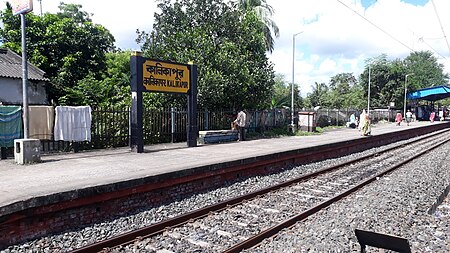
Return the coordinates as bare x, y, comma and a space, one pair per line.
76, 189
27, 151
11, 81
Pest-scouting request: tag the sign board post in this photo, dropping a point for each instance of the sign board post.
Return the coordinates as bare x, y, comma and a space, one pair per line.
137, 134
21, 7
149, 75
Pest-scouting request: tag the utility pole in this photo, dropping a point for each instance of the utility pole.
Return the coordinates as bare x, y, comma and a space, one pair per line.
40, 5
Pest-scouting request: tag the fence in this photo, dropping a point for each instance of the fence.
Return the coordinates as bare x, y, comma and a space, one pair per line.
338, 117
111, 128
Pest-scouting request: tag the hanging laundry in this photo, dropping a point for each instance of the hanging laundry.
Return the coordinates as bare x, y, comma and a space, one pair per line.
10, 125
73, 123
41, 119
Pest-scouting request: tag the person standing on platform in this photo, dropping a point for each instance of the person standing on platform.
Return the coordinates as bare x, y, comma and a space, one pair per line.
362, 118
352, 123
432, 116
408, 117
366, 126
241, 121
398, 118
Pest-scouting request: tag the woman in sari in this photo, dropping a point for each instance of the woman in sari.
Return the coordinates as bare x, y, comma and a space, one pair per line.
366, 126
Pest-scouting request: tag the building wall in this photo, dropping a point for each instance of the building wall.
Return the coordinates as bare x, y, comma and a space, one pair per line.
11, 92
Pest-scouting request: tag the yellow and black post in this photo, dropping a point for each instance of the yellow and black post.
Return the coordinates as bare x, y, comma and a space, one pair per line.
152, 75
136, 131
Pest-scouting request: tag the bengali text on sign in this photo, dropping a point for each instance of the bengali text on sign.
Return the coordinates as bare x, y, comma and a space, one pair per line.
166, 77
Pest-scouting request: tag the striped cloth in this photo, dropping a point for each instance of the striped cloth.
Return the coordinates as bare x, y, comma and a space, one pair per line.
10, 125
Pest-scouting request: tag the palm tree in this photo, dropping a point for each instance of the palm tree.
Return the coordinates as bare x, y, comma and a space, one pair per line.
264, 12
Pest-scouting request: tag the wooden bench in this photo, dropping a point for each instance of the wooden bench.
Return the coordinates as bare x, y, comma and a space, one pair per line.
217, 136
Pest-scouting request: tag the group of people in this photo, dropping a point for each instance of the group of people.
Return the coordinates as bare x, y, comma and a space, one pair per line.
399, 117
363, 123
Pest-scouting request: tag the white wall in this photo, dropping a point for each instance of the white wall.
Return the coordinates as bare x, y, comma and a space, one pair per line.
11, 92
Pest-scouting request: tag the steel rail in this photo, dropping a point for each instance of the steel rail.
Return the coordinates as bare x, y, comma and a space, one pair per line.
153, 229
254, 240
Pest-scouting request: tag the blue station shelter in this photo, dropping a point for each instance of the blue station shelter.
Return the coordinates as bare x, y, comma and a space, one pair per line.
431, 95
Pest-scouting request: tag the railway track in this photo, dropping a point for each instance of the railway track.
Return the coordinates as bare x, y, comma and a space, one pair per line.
243, 222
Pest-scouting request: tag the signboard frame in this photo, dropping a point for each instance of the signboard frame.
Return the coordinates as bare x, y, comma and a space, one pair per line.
137, 66
21, 6
165, 77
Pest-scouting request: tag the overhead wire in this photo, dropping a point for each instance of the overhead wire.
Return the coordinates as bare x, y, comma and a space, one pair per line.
440, 23
423, 41
376, 26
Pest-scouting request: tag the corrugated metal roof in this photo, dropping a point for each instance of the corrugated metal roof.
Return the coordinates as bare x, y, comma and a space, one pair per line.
431, 93
11, 67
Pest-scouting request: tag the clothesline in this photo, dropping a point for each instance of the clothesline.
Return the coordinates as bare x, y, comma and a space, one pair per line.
66, 123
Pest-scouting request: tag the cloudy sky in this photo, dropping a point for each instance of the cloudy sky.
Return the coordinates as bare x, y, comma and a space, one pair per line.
336, 36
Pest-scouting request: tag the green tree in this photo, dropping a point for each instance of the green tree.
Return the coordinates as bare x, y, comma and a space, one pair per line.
264, 12
340, 90
281, 96
387, 81
318, 96
111, 88
66, 45
229, 51
427, 71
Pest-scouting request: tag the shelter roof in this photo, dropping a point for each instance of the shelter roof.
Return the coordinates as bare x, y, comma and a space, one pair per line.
431, 93
11, 67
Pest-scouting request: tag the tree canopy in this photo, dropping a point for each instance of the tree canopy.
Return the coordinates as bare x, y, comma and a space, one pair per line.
387, 82
264, 12
228, 47
66, 45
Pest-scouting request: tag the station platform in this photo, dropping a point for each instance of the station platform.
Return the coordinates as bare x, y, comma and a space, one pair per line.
27, 186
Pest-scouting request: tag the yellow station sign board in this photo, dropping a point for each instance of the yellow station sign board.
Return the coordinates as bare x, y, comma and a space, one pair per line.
165, 77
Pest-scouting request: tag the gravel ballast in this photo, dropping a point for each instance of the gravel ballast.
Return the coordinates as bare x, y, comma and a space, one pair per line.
396, 204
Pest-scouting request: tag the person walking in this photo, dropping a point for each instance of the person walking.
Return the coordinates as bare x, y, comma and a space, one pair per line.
408, 117
366, 126
241, 122
432, 116
398, 118
362, 118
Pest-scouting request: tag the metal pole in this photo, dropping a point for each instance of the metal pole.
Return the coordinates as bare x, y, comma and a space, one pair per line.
368, 95
404, 102
40, 3
292, 86
172, 123
24, 79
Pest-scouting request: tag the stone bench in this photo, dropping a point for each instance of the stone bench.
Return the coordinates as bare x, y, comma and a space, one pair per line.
217, 136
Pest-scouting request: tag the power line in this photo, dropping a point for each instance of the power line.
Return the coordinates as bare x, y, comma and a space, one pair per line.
423, 41
440, 23
379, 28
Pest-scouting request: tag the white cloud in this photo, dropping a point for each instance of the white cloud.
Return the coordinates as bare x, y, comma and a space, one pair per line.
335, 38
328, 66
334, 32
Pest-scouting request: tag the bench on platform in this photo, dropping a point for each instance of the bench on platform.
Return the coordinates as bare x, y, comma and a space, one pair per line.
217, 136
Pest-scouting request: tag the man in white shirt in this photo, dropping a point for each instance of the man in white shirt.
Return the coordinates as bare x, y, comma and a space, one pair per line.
408, 117
241, 121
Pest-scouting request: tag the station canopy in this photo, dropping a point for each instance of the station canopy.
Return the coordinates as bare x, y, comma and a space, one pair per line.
431, 93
